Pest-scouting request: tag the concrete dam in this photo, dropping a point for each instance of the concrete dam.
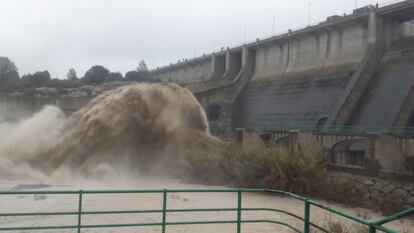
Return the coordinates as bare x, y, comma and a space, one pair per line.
346, 84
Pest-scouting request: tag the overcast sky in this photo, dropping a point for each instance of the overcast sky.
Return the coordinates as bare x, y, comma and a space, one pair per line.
56, 35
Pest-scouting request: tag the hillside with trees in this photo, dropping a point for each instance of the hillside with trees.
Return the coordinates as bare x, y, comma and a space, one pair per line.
11, 81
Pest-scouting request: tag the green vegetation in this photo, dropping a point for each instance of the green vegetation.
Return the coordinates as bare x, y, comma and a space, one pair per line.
265, 167
10, 80
303, 172
340, 227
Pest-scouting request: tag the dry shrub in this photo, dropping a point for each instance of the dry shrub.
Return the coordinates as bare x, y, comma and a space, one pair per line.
392, 203
266, 167
302, 172
338, 188
340, 227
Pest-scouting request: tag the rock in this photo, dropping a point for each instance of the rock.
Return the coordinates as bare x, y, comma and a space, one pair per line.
406, 207
375, 195
368, 182
355, 200
409, 187
389, 188
400, 192
353, 191
377, 186
410, 201
366, 197
380, 199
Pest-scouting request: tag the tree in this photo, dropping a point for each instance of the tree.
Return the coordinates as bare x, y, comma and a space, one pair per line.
114, 76
140, 77
72, 75
132, 76
95, 75
37, 79
9, 74
142, 66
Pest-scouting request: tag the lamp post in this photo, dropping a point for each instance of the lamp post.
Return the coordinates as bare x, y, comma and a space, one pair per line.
309, 15
244, 36
273, 27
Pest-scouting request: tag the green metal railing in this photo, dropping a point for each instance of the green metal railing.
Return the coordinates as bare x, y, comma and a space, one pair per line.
373, 226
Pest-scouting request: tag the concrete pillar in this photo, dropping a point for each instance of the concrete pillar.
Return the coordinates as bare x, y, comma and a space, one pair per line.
370, 145
245, 54
293, 139
371, 163
213, 63
372, 27
228, 59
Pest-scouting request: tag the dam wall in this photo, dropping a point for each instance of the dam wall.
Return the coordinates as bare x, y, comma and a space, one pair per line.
187, 72
337, 49
317, 76
15, 108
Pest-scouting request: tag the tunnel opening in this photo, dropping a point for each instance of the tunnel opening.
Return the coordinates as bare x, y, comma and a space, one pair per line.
349, 153
266, 137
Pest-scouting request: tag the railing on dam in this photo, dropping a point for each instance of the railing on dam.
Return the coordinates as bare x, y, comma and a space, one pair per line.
372, 226
403, 131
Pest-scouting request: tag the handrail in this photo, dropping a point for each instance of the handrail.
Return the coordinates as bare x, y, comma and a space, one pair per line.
390, 3
373, 225
342, 129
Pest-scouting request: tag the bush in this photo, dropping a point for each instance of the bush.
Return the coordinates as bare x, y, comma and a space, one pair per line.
302, 172
340, 227
266, 167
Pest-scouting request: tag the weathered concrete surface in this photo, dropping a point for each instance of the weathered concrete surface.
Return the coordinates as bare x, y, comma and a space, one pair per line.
226, 95
387, 92
315, 76
199, 70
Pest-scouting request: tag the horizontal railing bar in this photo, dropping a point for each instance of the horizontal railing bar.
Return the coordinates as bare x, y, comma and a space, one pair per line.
285, 193
284, 212
145, 211
46, 192
395, 216
52, 192
37, 228
214, 190
271, 221
142, 224
340, 213
36, 214
384, 229
273, 210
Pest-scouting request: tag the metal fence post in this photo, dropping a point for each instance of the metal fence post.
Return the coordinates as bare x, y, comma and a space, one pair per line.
372, 229
80, 212
164, 209
307, 216
239, 206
